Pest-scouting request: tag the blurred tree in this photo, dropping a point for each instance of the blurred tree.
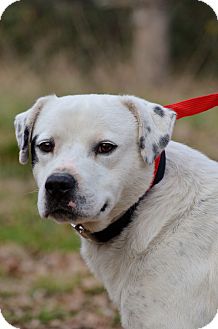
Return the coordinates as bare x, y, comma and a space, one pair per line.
83, 32
194, 36
151, 41
87, 32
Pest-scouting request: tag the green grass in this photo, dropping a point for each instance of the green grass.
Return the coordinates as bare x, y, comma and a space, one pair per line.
7, 294
26, 229
37, 237
93, 291
52, 285
11, 169
116, 320
20, 222
44, 316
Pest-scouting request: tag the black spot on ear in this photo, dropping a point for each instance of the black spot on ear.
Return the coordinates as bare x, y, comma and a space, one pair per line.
25, 139
172, 115
155, 150
159, 111
33, 151
142, 142
19, 128
146, 159
148, 129
164, 140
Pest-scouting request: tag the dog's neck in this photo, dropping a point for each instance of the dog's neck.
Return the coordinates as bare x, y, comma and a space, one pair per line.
116, 228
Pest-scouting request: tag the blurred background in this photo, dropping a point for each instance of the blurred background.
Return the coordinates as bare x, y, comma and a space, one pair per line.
162, 50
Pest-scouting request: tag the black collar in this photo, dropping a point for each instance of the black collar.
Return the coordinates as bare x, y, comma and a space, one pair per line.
114, 229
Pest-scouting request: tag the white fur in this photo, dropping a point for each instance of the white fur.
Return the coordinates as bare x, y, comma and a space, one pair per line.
162, 271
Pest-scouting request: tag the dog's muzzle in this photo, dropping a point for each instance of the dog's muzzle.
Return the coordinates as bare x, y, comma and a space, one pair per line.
60, 191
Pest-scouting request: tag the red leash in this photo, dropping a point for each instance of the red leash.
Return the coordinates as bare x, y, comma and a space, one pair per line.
194, 105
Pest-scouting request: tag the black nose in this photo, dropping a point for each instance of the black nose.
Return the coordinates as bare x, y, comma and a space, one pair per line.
59, 185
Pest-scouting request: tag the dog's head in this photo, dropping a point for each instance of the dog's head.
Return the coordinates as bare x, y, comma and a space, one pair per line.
92, 155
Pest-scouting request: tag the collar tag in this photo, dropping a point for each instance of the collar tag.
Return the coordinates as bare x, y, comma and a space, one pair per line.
83, 232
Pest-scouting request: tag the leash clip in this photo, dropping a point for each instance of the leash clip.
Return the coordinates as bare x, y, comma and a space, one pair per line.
83, 232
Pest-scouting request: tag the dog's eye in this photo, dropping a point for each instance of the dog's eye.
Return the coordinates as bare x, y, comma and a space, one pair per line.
46, 147
105, 148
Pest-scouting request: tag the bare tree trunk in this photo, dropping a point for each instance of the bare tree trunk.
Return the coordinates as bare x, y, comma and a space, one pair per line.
151, 46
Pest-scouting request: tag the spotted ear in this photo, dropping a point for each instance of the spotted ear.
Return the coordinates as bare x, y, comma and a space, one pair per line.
155, 126
24, 123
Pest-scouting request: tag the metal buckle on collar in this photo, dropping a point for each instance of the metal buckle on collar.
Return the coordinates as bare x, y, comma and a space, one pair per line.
83, 232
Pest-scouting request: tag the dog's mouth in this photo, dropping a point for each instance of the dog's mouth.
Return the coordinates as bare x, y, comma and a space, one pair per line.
61, 215
72, 215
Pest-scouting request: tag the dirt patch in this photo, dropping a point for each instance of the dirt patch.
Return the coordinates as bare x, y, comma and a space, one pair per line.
52, 291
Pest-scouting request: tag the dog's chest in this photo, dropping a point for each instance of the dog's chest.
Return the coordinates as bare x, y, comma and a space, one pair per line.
110, 265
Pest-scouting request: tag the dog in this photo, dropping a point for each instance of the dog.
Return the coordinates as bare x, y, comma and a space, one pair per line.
146, 207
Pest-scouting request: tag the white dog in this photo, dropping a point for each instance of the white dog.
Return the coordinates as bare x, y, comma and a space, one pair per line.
152, 241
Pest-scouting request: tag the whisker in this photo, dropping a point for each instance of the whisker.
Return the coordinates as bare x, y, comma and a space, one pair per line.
32, 192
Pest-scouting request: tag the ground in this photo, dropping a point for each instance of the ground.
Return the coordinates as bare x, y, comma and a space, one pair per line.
51, 290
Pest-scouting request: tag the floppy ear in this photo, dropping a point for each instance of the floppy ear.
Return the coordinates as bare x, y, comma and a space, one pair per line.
155, 126
24, 123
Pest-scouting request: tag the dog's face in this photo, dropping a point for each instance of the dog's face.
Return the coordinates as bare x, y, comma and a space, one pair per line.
92, 155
